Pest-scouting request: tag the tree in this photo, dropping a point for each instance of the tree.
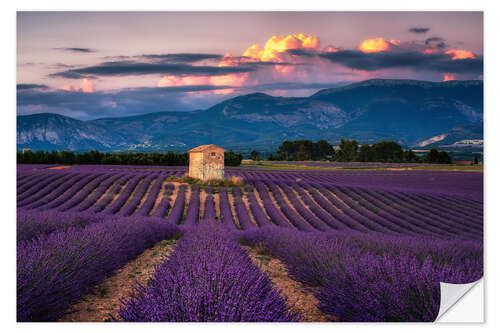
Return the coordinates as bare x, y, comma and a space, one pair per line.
302, 150
387, 151
96, 157
322, 150
444, 158
254, 155
432, 156
476, 161
347, 151
410, 157
435, 156
67, 157
366, 153
232, 159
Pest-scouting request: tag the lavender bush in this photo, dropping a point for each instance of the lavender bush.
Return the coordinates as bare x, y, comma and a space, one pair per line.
373, 277
55, 270
31, 224
208, 277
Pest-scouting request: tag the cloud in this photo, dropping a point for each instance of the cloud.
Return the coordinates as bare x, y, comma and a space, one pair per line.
122, 68
29, 86
298, 85
374, 45
294, 64
419, 30
416, 61
164, 90
60, 66
460, 54
86, 87
276, 47
76, 49
437, 42
303, 52
125, 102
448, 77
182, 57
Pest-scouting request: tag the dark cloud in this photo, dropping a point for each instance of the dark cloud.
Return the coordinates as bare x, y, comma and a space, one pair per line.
125, 102
441, 45
419, 30
182, 57
298, 85
416, 61
122, 68
301, 52
28, 86
118, 57
76, 49
163, 90
252, 62
61, 65
435, 42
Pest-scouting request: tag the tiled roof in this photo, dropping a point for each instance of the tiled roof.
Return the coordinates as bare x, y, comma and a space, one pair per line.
205, 147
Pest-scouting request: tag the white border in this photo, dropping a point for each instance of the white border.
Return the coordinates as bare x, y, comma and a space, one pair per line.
8, 137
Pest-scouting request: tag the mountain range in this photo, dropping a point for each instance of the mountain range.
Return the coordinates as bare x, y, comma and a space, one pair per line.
407, 111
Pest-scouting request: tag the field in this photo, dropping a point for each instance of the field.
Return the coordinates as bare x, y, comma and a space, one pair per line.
357, 242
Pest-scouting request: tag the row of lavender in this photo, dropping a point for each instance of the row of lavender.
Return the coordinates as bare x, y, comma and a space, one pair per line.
64, 248
208, 277
335, 210
374, 277
466, 184
357, 277
306, 206
62, 256
347, 165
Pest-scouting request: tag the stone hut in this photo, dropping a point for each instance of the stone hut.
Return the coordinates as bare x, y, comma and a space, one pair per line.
206, 162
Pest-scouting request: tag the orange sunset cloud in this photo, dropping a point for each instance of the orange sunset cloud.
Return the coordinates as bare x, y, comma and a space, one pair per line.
87, 87
374, 45
460, 54
279, 44
448, 77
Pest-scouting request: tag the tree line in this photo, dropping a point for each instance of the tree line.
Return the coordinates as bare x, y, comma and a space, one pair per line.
123, 158
351, 151
303, 150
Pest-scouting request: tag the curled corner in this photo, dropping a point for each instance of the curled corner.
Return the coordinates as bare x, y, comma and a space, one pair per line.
451, 294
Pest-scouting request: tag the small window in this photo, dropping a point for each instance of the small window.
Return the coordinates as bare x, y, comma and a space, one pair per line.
212, 154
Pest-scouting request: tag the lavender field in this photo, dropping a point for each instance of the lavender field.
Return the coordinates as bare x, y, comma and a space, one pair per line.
369, 245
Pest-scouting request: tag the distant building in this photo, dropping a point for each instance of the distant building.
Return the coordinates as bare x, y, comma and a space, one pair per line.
462, 162
206, 162
475, 142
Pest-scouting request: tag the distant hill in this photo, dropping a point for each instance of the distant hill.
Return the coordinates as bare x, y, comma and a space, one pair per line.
407, 111
47, 131
468, 132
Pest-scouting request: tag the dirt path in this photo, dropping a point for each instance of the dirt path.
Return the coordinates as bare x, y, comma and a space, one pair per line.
299, 297
247, 207
105, 301
113, 191
233, 210
203, 198
217, 206
291, 205
261, 204
275, 203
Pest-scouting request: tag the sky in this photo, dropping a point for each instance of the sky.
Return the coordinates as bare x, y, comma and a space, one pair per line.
89, 65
